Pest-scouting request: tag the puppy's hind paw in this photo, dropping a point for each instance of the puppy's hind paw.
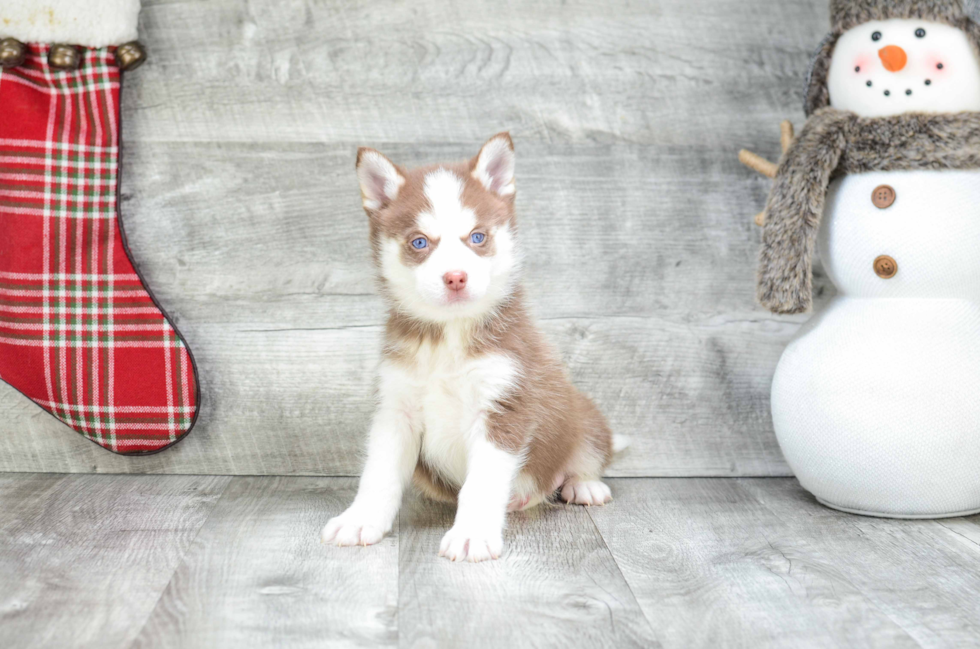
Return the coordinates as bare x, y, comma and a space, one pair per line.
350, 529
586, 492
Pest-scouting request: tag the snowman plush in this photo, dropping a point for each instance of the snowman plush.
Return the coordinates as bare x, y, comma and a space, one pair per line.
876, 402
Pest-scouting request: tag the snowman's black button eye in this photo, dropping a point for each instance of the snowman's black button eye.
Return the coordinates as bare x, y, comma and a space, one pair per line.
876, 36
921, 33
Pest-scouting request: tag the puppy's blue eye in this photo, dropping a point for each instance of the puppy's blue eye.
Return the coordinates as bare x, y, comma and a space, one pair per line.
477, 237
421, 243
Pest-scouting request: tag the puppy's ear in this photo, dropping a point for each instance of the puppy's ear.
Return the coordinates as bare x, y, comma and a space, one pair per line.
379, 178
494, 166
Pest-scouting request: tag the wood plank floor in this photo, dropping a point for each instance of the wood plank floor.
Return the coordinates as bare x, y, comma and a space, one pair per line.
200, 561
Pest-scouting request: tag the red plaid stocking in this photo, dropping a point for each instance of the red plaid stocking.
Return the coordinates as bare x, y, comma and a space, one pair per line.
79, 333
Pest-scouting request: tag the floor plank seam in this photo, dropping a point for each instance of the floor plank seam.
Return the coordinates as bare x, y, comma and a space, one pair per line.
849, 521
962, 536
181, 560
629, 587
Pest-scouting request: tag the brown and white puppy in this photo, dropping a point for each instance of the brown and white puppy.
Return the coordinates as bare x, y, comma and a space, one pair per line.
473, 402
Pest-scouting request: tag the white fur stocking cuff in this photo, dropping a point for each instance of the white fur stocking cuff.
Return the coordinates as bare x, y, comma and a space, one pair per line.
90, 23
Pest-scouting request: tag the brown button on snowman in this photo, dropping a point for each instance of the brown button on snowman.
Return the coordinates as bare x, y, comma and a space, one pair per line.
883, 197
892, 100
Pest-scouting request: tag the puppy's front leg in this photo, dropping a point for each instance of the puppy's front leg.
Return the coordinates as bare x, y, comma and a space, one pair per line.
477, 534
393, 452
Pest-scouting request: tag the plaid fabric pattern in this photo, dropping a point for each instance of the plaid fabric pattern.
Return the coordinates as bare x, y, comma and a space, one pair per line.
79, 334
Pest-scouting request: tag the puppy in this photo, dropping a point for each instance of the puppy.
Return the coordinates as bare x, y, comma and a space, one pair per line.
474, 404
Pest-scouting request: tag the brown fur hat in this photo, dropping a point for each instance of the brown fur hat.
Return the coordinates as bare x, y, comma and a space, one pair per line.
846, 14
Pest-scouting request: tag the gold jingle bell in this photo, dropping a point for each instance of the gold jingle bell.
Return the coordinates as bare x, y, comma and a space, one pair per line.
130, 56
12, 53
64, 57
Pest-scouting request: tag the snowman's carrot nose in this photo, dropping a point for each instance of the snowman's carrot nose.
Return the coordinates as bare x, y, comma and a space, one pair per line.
893, 58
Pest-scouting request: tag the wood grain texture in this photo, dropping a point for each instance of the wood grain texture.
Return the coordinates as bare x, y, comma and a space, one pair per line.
556, 585
922, 575
242, 210
188, 561
758, 563
257, 575
83, 559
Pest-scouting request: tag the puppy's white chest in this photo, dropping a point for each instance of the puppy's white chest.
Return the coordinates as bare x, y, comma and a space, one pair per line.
455, 393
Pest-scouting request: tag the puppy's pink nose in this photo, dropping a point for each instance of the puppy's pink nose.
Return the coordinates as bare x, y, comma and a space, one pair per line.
455, 280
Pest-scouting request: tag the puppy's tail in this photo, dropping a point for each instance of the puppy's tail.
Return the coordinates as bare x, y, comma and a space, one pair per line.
620, 443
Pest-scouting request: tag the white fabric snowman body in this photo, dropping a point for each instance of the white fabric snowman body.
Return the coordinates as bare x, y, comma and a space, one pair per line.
876, 402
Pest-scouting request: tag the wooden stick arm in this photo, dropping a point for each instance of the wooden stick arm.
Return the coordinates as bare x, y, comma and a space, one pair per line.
757, 163
768, 169
786, 135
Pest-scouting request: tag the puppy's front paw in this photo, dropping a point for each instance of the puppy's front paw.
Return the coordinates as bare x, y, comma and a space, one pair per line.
586, 492
353, 528
468, 543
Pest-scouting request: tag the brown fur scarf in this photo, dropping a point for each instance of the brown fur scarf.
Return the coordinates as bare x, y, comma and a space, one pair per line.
834, 143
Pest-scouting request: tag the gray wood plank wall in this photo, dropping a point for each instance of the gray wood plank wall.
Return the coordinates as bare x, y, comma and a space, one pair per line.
242, 209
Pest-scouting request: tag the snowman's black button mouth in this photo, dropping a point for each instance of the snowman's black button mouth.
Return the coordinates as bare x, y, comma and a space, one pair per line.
928, 82
908, 92
888, 93
869, 84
